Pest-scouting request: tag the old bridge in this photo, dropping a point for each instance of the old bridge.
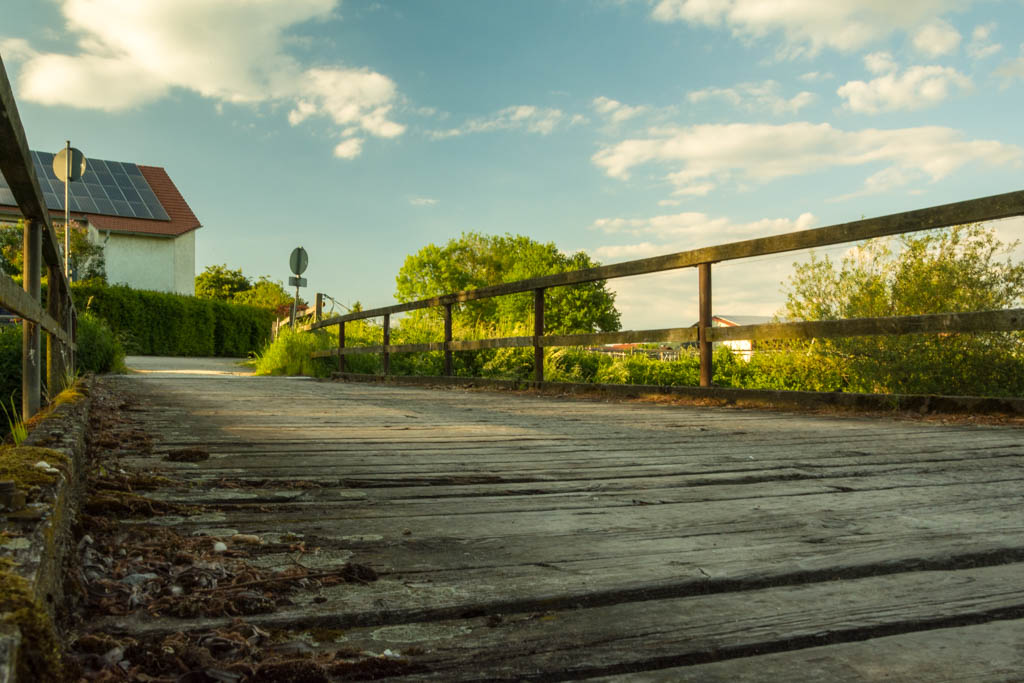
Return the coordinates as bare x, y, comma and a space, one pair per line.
521, 536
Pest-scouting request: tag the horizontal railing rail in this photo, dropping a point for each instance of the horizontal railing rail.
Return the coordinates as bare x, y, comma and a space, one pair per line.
58, 318
703, 334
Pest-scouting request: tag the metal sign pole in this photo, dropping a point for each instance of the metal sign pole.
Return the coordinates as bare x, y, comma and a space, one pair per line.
295, 305
67, 212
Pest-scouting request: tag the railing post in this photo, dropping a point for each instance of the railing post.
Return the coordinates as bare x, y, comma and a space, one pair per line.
447, 340
341, 346
538, 332
385, 357
31, 350
704, 324
319, 314
55, 349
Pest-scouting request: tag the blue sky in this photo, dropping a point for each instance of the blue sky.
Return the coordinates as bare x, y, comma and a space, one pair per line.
365, 129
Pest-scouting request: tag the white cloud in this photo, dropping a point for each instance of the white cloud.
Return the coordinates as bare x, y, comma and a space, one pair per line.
424, 201
521, 117
807, 26
915, 88
815, 76
755, 97
688, 230
936, 38
880, 63
230, 51
349, 148
670, 299
761, 152
981, 44
616, 111
1012, 69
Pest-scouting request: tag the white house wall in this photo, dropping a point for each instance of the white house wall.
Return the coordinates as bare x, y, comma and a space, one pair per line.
164, 264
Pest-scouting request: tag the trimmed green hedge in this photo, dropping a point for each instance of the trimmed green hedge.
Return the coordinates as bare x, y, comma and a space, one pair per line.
162, 324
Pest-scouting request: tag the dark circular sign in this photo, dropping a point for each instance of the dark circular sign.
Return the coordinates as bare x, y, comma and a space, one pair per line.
299, 260
60, 165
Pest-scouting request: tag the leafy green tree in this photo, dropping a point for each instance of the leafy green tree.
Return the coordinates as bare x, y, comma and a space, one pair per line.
87, 258
221, 283
474, 260
266, 293
965, 268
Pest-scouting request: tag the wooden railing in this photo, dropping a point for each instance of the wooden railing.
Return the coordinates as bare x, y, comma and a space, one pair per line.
58, 319
971, 211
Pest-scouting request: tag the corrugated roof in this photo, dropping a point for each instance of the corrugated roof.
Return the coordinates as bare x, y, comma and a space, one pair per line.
183, 220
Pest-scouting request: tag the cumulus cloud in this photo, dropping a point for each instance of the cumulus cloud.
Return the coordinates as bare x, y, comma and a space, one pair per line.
616, 111
664, 299
880, 62
759, 153
815, 76
936, 38
687, 230
755, 97
230, 51
522, 117
807, 26
915, 88
981, 44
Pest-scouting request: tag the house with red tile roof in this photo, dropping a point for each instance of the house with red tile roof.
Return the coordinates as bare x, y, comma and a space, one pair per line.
135, 212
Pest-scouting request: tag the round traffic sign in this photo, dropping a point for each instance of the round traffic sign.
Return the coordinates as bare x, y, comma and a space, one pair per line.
298, 260
60, 165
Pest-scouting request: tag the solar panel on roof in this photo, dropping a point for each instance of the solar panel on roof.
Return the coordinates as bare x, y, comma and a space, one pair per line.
111, 188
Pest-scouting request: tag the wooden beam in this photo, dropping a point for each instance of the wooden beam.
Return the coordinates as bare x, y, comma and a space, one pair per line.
970, 211
17, 167
31, 349
341, 347
56, 352
674, 334
385, 356
447, 340
704, 324
979, 321
538, 332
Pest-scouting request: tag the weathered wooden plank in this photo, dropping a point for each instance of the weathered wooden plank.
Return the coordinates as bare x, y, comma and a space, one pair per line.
482, 498
984, 653
970, 211
732, 627
980, 321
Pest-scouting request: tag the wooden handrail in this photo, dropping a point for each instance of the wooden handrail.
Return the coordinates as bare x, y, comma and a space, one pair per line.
703, 333
59, 317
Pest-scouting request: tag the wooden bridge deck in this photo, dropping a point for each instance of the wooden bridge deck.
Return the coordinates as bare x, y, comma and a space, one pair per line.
534, 537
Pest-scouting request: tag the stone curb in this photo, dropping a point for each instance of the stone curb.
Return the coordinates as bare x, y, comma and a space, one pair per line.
40, 553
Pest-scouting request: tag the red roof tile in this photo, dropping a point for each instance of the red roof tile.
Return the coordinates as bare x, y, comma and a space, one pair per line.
182, 218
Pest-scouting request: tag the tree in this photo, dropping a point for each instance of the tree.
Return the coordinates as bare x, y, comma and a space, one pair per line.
87, 258
474, 260
221, 283
965, 268
266, 293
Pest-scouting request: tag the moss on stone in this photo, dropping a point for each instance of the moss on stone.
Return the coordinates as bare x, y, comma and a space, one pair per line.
39, 654
18, 464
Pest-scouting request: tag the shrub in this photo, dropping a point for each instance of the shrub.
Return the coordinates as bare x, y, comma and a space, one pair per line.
98, 349
163, 324
289, 354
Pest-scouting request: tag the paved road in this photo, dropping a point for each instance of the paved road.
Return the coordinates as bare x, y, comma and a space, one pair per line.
520, 537
177, 365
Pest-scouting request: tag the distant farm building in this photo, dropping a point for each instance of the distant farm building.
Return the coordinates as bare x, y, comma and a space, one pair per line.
135, 212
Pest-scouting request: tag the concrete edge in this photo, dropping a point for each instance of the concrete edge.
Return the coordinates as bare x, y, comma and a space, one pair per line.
922, 403
40, 555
